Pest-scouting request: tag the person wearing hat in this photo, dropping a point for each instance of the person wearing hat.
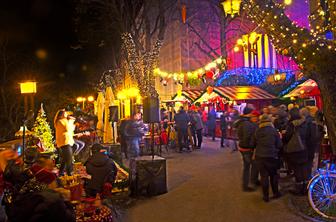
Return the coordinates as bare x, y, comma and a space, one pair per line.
245, 132
268, 144
102, 170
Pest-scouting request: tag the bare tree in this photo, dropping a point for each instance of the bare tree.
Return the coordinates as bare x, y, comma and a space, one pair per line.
133, 30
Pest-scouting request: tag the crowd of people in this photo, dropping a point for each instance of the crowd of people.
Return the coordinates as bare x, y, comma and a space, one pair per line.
280, 138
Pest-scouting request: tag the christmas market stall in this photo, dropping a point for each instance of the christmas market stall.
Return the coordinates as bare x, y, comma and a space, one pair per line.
307, 94
240, 95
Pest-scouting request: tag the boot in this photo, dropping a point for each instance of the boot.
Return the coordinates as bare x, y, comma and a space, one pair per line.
299, 189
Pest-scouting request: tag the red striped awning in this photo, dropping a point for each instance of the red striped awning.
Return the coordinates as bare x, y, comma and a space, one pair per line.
308, 88
190, 95
235, 93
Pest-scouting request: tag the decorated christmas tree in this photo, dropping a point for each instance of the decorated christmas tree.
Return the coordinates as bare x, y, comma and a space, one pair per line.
43, 132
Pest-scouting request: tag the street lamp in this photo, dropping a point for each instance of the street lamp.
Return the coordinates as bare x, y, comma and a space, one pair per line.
82, 100
28, 88
231, 7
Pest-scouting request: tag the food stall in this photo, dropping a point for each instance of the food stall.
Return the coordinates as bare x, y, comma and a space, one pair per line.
307, 94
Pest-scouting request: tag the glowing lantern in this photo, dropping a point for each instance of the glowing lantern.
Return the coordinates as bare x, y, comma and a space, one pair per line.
231, 7
287, 2
209, 89
90, 98
28, 87
132, 92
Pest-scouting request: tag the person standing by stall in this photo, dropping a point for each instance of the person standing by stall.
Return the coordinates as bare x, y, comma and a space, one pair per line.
182, 120
245, 131
64, 131
268, 144
196, 121
212, 123
223, 126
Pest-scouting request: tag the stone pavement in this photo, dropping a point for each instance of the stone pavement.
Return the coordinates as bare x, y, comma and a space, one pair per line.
204, 186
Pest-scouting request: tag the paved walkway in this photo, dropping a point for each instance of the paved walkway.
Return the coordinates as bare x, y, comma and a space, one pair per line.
205, 186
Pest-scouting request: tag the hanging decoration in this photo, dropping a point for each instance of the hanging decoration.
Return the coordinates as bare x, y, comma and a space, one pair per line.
209, 71
184, 13
276, 78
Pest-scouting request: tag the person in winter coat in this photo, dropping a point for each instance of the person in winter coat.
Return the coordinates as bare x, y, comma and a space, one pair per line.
268, 144
102, 170
212, 123
314, 139
122, 137
223, 127
298, 161
64, 131
197, 124
245, 131
134, 130
182, 120
281, 120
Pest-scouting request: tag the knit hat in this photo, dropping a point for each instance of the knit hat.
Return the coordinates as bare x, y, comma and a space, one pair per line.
265, 118
247, 110
255, 113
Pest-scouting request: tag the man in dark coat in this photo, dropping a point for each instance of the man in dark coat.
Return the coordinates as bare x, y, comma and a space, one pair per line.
314, 138
245, 131
102, 170
298, 161
223, 127
212, 123
182, 120
268, 144
197, 124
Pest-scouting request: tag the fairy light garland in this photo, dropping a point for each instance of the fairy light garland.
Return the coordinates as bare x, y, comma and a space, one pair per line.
215, 67
289, 39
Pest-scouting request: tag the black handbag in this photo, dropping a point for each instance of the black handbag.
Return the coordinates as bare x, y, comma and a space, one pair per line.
295, 143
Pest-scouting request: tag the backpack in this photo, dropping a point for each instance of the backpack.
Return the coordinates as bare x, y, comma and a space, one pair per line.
295, 143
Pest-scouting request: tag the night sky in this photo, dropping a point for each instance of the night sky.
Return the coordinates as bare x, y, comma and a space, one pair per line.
43, 31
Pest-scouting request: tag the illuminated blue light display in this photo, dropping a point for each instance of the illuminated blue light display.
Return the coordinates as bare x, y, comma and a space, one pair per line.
250, 76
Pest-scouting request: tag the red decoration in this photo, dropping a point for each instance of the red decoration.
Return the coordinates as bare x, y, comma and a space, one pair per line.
209, 74
285, 51
209, 89
184, 13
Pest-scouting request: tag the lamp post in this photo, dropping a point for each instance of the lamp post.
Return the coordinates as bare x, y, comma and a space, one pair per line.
27, 88
82, 100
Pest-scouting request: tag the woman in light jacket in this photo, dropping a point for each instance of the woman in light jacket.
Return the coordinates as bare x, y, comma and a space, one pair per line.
64, 127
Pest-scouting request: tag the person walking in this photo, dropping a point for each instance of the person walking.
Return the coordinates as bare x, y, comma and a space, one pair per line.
295, 139
182, 120
223, 127
197, 123
245, 131
268, 144
212, 123
134, 130
64, 132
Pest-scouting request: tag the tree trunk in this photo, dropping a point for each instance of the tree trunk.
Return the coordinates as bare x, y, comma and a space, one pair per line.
327, 82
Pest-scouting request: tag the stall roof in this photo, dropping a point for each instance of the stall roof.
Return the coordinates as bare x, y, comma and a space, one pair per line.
309, 87
243, 93
191, 95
